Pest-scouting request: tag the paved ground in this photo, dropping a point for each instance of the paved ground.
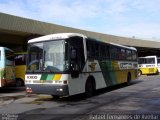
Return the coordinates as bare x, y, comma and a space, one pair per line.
140, 100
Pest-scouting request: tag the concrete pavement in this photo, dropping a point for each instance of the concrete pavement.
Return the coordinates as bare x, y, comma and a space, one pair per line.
140, 98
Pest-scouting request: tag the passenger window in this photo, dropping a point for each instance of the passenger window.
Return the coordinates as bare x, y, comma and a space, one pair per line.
129, 55
134, 55
9, 55
102, 51
97, 49
114, 52
90, 49
123, 54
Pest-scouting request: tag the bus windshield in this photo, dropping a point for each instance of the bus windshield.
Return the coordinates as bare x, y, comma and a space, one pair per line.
47, 56
146, 61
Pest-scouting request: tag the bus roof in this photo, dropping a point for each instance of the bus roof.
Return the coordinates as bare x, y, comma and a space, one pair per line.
55, 37
153, 56
114, 44
67, 35
123, 46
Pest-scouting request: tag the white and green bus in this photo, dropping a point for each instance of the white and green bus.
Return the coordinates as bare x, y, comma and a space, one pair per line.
70, 63
7, 75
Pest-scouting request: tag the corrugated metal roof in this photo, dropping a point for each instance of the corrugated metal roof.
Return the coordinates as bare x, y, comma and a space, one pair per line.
23, 26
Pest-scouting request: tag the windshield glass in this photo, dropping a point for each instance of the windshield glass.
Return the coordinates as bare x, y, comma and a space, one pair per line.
146, 61
47, 56
158, 60
141, 61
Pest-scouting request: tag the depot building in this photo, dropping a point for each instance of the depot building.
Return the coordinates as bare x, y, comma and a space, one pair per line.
16, 31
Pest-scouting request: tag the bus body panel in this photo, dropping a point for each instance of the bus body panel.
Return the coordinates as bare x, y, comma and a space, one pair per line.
51, 83
116, 72
48, 83
20, 71
20, 65
149, 70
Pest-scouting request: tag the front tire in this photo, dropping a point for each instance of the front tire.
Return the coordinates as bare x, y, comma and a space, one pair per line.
55, 96
19, 82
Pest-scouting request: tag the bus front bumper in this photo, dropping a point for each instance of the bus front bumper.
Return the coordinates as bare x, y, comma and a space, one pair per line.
59, 90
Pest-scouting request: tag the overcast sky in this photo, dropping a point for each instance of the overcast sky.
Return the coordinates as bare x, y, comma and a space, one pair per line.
139, 18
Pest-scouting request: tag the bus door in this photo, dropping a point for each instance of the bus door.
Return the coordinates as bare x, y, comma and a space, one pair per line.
77, 62
77, 59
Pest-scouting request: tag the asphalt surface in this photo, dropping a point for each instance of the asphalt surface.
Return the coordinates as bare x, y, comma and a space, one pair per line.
140, 100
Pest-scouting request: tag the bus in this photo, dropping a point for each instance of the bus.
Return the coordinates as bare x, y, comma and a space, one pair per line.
67, 64
147, 65
20, 67
7, 76
158, 64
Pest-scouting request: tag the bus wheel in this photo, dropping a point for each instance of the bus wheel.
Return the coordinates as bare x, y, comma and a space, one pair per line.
139, 72
129, 79
89, 88
157, 72
55, 96
19, 82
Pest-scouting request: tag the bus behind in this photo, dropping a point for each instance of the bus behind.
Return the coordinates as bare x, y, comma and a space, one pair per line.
7, 75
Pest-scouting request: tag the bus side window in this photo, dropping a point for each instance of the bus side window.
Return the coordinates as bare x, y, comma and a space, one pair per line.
150, 61
114, 51
97, 50
9, 55
129, 54
119, 54
134, 55
158, 60
123, 53
102, 52
90, 49
107, 51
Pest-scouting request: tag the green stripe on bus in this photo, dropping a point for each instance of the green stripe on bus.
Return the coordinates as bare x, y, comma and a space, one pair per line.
44, 76
108, 73
50, 77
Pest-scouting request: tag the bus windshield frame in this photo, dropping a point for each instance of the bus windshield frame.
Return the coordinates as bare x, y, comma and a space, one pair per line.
48, 56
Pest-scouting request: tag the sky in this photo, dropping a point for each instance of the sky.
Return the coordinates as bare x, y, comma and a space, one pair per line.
128, 18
